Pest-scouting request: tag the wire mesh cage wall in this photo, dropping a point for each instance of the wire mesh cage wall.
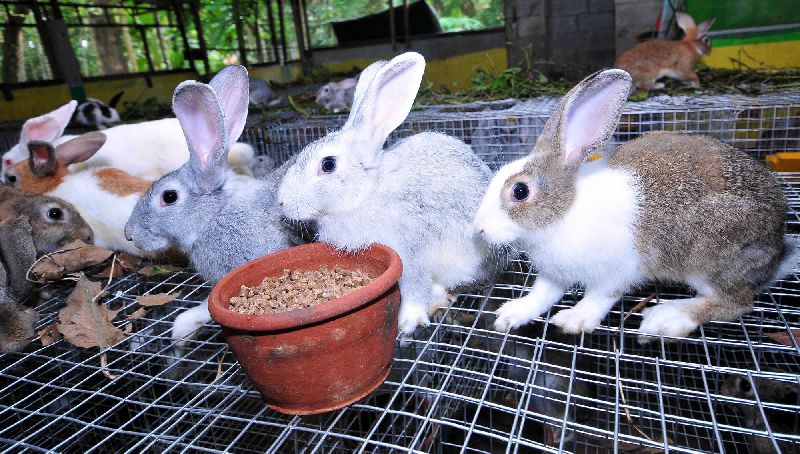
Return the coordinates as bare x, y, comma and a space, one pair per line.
501, 131
457, 385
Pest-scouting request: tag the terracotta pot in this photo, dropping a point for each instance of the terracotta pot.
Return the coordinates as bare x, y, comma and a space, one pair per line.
321, 358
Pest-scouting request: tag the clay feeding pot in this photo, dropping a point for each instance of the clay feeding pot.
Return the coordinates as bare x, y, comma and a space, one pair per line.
320, 358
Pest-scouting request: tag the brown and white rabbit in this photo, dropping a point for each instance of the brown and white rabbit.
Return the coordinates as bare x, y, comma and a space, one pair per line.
104, 196
30, 226
665, 206
651, 60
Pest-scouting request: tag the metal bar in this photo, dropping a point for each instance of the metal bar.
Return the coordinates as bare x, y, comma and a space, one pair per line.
407, 24
273, 38
392, 26
201, 37
283, 32
237, 20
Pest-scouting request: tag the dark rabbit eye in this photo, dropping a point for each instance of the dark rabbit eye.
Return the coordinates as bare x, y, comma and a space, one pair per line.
11, 179
520, 191
55, 214
169, 197
328, 164
744, 385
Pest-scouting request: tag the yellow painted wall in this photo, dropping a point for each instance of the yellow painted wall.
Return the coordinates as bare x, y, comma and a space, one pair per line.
30, 102
781, 54
455, 72
276, 73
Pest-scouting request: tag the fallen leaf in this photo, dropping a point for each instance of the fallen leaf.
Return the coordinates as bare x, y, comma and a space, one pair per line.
128, 261
156, 300
106, 273
137, 314
85, 323
49, 334
153, 270
75, 256
782, 337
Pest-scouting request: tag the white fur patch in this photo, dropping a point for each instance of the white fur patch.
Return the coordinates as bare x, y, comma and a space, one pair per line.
187, 322
594, 242
105, 213
492, 220
520, 311
669, 318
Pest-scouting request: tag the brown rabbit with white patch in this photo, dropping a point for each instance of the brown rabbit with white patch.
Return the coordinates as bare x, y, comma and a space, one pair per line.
104, 196
651, 60
665, 206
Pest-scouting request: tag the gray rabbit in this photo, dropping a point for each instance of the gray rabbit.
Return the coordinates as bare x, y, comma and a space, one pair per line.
337, 96
30, 226
219, 219
663, 207
417, 196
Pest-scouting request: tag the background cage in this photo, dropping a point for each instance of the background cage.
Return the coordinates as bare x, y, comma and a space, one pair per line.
457, 386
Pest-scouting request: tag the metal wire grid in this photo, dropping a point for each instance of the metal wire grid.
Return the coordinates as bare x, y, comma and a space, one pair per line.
458, 386
502, 131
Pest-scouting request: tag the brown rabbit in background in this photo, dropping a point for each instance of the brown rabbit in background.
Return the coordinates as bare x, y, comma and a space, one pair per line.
651, 60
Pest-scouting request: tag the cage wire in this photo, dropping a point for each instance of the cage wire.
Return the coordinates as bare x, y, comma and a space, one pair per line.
457, 385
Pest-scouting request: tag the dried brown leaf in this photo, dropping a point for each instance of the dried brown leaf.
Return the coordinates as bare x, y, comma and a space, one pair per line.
75, 256
106, 273
49, 334
156, 300
84, 322
137, 314
782, 337
129, 261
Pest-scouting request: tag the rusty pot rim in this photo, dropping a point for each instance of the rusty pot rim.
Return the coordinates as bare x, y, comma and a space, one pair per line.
298, 318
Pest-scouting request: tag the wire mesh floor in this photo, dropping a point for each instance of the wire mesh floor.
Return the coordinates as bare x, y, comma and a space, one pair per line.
457, 386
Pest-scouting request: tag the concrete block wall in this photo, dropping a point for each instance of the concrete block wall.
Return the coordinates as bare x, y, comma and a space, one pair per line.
574, 37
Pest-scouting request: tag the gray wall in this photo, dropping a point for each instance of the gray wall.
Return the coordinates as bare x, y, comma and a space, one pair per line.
573, 37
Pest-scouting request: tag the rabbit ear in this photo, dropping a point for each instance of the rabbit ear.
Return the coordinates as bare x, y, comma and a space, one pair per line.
387, 99
203, 122
588, 115
686, 23
48, 127
233, 90
42, 159
362, 83
80, 148
705, 26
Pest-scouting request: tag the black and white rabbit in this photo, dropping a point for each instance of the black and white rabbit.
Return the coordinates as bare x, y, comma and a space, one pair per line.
94, 113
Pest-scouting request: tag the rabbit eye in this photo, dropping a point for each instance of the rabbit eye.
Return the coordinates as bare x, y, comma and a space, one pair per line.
520, 191
55, 214
169, 197
11, 178
328, 164
744, 385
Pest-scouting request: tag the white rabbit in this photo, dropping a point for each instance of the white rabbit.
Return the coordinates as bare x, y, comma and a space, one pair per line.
146, 150
219, 219
662, 207
417, 197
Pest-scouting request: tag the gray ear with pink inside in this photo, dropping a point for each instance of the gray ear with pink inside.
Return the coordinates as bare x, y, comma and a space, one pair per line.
588, 115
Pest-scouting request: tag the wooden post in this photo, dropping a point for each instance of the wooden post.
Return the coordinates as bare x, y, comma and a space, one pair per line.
283, 31
392, 28
237, 20
273, 37
143, 34
60, 52
187, 50
298, 30
306, 26
200, 35
407, 24
257, 33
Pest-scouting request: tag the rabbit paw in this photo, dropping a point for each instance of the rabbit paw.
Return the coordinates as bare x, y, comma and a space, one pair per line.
577, 319
667, 319
516, 313
188, 322
411, 316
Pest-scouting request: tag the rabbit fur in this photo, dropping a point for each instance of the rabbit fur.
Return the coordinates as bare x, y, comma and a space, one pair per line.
147, 150
219, 219
651, 60
417, 197
663, 207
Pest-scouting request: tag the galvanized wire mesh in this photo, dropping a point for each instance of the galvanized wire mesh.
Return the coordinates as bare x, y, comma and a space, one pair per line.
501, 131
458, 385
